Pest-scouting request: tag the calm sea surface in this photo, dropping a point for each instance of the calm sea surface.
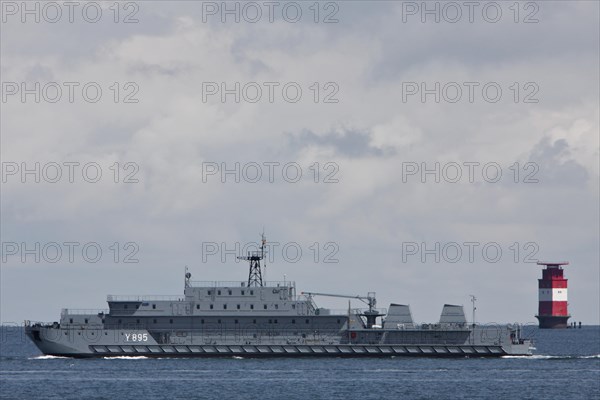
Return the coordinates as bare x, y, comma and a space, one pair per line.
566, 366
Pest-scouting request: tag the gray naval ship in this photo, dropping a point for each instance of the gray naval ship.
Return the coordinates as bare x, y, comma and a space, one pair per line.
256, 318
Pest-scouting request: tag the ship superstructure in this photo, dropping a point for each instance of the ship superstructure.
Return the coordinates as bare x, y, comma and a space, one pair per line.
260, 318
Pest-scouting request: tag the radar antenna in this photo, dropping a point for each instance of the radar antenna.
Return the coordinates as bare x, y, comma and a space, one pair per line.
254, 257
188, 276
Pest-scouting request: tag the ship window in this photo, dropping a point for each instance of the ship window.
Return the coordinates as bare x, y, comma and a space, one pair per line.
201, 321
218, 321
253, 321
70, 320
307, 321
270, 321
338, 321
171, 320
126, 306
211, 306
230, 292
119, 321
224, 306
238, 306
276, 306
105, 333
67, 333
274, 321
252, 306
293, 306
243, 292
293, 321
137, 321
197, 306
236, 321
154, 306
154, 320
219, 292
265, 306
252, 293
209, 292
86, 320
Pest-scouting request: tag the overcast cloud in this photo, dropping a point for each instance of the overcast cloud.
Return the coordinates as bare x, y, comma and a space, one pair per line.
366, 140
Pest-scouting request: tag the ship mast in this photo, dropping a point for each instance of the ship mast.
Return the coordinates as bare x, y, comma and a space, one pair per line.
254, 257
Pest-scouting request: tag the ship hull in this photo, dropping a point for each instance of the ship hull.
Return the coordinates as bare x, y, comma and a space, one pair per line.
54, 342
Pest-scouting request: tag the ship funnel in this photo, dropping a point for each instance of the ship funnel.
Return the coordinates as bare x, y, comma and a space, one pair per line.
452, 314
399, 315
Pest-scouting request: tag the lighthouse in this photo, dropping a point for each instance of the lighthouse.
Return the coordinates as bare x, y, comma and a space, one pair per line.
552, 312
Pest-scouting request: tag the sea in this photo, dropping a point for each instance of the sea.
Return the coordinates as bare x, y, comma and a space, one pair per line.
566, 365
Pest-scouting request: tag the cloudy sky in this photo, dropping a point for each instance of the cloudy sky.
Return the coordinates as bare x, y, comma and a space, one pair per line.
369, 94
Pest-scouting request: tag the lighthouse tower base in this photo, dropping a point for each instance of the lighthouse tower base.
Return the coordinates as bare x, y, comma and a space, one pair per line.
553, 321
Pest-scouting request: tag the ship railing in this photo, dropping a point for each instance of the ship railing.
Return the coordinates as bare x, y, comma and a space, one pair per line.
443, 326
41, 324
344, 311
232, 284
83, 311
310, 302
143, 297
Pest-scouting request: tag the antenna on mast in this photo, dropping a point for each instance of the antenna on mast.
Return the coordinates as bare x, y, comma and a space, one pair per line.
254, 257
473, 300
188, 275
263, 244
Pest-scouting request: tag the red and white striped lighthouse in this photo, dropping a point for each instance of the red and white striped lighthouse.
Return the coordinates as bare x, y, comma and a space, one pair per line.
553, 313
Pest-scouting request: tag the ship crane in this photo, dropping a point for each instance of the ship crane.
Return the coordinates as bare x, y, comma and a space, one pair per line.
369, 300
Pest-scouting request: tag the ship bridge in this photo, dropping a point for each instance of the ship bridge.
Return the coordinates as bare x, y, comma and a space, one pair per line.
272, 296
284, 290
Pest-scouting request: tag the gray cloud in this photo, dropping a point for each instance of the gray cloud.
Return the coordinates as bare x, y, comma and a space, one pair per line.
347, 143
556, 164
368, 134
